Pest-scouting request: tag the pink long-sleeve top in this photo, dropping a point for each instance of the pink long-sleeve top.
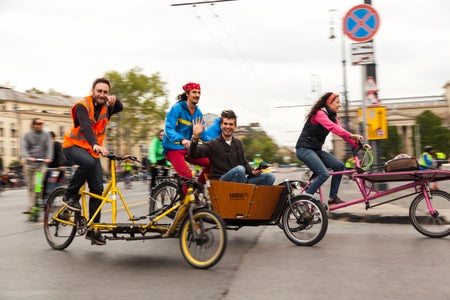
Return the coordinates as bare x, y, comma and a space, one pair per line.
320, 117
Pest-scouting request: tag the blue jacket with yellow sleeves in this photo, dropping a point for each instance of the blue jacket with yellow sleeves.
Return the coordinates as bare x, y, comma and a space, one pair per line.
179, 126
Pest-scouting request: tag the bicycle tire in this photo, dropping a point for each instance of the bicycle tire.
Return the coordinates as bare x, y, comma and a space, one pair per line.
434, 226
207, 250
307, 230
163, 196
58, 235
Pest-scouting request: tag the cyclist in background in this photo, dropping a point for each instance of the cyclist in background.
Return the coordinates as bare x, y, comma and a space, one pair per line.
37, 145
426, 161
157, 159
350, 163
127, 168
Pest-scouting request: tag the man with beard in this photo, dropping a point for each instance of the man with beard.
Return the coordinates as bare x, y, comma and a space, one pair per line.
226, 154
178, 132
83, 145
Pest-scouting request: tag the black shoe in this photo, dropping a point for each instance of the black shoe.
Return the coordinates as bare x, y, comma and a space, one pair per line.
71, 203
96, 238
335, 200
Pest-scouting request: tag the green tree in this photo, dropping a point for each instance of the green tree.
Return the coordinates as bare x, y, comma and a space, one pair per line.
145, 104
393, 145
432, 132
259, 142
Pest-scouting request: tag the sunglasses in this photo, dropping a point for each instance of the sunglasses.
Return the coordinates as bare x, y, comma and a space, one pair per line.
38, 123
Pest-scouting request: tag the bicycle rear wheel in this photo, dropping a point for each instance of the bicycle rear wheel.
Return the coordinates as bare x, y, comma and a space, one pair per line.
306, 222
163, 196
59, 221
206, 247
435, 225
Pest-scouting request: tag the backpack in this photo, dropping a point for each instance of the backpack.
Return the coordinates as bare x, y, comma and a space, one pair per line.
401, 162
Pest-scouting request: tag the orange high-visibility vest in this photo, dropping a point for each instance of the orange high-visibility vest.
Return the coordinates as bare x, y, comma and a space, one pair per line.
75, 137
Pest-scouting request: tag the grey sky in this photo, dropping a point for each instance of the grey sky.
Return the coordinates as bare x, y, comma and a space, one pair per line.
248, 55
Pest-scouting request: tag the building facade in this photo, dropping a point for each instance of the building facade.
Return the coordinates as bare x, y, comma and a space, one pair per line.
17, 110
400, 112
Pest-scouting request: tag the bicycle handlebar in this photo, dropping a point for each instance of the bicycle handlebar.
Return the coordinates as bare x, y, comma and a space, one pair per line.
113, 156
368, 153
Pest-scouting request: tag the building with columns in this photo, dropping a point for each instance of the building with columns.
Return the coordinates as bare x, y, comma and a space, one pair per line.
400, 112
17, 110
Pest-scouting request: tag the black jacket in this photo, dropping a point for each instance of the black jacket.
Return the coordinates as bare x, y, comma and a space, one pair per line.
222, 157
313, 135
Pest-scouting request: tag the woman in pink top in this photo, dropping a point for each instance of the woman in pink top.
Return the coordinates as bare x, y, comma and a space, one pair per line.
321, 120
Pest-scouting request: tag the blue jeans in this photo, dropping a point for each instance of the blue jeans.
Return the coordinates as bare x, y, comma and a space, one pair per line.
237, 174
318, 162
90, 170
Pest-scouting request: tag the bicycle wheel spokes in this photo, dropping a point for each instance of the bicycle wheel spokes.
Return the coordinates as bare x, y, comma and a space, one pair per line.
164, 195
306, 223
435, 224
59, 222
204, 243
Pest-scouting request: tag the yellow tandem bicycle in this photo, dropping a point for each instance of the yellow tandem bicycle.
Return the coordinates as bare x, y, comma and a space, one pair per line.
201, 231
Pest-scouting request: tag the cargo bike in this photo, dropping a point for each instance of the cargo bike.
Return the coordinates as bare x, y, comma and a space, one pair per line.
302, 217
429, 210
201, 232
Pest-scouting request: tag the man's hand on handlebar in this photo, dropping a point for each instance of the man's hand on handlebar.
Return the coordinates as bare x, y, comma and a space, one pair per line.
100, 149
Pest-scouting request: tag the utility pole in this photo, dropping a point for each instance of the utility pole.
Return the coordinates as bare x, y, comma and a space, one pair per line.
344, 76
370, 72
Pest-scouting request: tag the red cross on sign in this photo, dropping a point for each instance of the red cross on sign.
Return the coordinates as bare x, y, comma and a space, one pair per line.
361, 23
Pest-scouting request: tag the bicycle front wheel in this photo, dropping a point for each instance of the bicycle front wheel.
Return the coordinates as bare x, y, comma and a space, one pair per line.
205, 247
163, 196
59, 221
434, 225
305, 222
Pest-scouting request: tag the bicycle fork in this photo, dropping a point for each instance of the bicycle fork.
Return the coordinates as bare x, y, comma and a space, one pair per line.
427, 196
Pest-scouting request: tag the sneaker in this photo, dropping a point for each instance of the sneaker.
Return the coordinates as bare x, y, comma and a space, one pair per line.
335, 200
71, 203
96, 238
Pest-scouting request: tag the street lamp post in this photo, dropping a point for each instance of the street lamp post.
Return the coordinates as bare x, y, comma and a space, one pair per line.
344, 74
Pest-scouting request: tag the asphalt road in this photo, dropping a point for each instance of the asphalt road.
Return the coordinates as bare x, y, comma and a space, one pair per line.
353, 261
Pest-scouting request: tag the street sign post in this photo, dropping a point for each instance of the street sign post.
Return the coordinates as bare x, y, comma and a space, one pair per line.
361, 23
376, 122
362, 53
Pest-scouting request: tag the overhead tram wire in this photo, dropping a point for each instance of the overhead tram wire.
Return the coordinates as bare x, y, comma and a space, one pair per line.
250, 67
200, 19
261, 88
200, 2
227, 52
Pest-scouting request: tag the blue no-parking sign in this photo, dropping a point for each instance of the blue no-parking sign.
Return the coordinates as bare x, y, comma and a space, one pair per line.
361, 23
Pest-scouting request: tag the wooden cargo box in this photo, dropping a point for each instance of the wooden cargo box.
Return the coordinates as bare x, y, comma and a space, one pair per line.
243, 201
